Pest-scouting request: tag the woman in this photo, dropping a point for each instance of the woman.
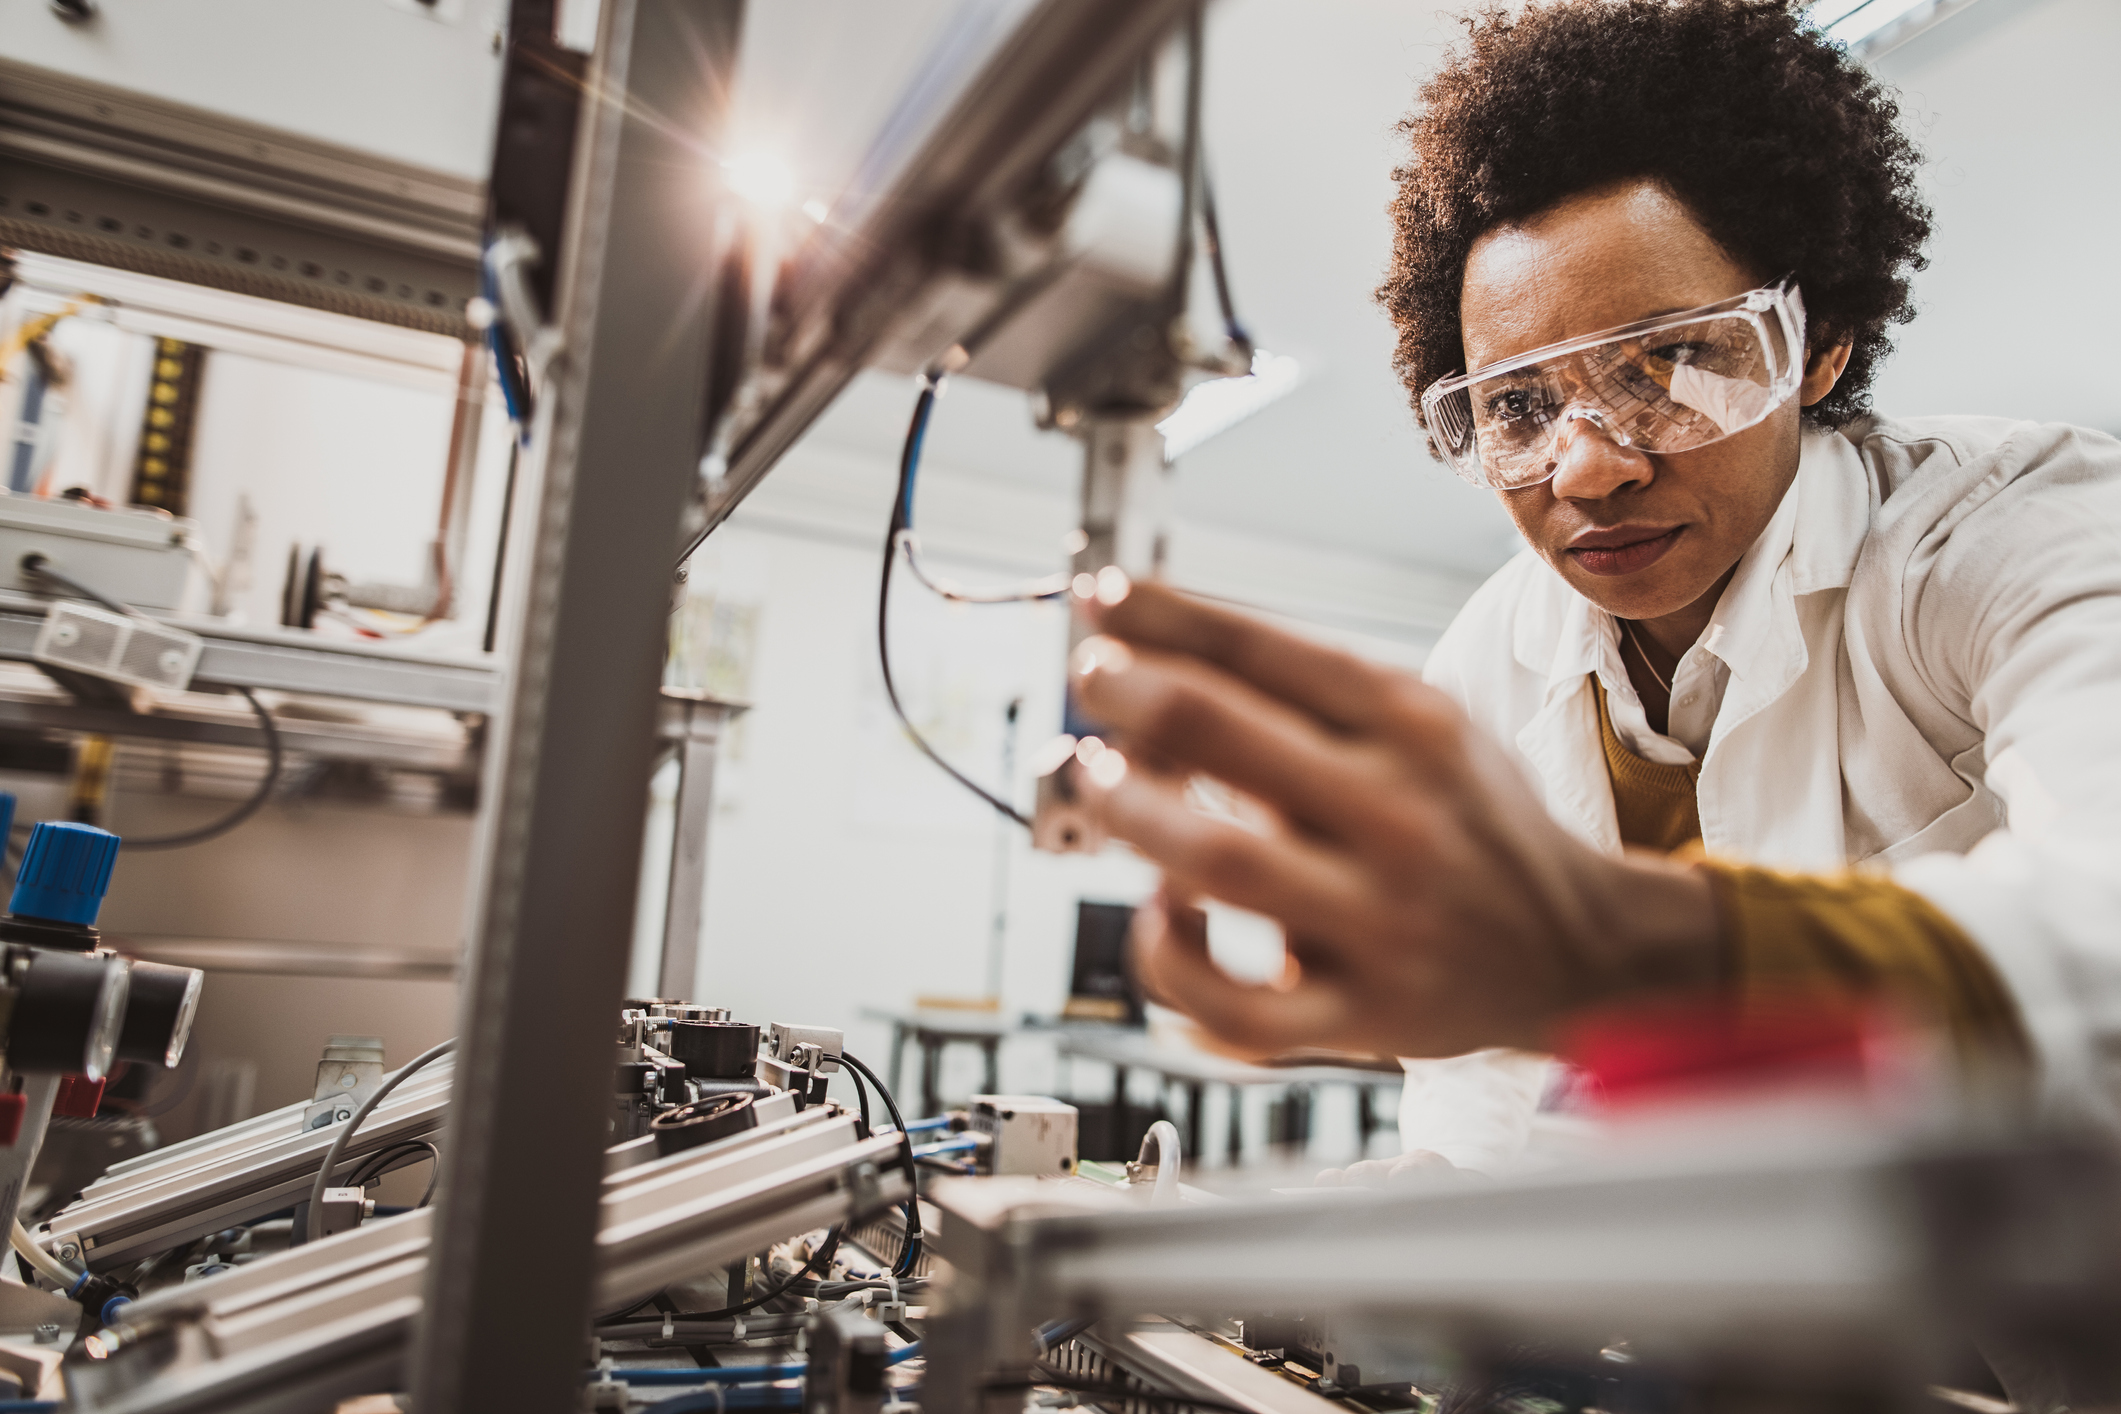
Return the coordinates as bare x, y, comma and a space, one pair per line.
1760, 635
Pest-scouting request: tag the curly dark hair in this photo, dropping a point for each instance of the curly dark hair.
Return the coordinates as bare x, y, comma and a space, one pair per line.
1785, 150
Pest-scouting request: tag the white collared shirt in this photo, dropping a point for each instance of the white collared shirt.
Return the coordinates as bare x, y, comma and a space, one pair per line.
1917, 664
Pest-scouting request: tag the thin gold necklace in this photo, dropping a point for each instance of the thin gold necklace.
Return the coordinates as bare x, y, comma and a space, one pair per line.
1628, 625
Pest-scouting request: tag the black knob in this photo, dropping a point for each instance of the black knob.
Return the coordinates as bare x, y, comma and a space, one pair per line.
159, 1014
67, 1013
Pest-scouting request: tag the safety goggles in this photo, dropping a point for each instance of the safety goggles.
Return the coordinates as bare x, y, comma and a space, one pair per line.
1668, 384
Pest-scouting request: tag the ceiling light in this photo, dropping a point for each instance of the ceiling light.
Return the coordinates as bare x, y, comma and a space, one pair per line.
1221, 403
1854, 21
761, 178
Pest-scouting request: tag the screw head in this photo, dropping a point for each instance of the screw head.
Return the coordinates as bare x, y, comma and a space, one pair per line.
348, 1081
66, 635
342, 1115
68, 1252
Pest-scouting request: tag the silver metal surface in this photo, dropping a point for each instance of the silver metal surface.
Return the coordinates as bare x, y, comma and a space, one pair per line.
1793, 1254
613, 456
122, 179
693, 723
291, 660
297, 1331
230, 1176
853, 287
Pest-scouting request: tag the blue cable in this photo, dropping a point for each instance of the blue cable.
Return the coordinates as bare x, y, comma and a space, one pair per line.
916, 1126
29, 1406
904, 1353
948, 1146
713, 1375
742, 1397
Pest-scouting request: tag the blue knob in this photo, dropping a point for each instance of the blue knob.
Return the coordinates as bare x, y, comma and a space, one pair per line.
65, 872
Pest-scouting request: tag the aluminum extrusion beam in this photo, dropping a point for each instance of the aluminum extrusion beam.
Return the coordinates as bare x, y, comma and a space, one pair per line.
1042, 84
122, 179
614, 454
292, 660
1834, 1261
693, 724
298, 1331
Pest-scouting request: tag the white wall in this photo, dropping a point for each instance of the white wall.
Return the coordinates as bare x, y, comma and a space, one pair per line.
2015, 105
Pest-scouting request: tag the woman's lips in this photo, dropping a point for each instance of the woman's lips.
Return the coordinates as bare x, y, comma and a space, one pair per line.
1607, 561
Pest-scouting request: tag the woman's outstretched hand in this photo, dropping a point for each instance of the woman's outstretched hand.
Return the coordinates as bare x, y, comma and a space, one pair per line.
1430, 904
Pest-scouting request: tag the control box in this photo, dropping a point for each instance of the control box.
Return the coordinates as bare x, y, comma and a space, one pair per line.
139, 557
1027, 1134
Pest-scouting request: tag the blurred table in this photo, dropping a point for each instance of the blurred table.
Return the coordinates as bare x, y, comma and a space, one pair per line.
937, 1028
1127, 1051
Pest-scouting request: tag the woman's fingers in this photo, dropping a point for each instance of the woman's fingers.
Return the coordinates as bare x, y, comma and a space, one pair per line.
1338, 688
1190, 716
1310, 888
1171, 958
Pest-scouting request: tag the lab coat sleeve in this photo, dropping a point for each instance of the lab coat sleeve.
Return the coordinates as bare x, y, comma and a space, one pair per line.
1475, 1110
2014, 611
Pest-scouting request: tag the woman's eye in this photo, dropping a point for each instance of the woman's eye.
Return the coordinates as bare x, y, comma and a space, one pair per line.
1677, 353
1512, 405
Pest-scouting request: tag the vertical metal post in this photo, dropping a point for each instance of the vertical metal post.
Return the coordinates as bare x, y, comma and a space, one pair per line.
614, 453
694, 723
1126, 498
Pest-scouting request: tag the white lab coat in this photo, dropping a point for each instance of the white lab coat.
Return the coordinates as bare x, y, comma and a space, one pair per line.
1918, 666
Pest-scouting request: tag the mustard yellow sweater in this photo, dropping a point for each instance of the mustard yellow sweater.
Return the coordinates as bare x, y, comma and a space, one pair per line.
1854, 931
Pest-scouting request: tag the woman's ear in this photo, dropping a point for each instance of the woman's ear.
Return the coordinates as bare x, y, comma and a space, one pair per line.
1824, 371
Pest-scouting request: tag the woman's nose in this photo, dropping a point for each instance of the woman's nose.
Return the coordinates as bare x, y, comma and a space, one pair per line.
1591, 462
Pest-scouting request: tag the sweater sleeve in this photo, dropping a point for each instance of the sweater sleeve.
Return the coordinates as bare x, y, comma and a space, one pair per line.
1862, 933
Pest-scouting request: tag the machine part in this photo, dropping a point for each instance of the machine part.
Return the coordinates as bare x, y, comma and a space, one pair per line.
339, 1210
961, 158
282, 660
302, 1329
786, 1043
65, 873
198, 196
693, 725
142, 557
228, 1177
138, 652
68, 1010
347, 1075
719, 1050
702, 1122
1126, 495
1163, 1174
78, 1098
1030, 1134
328, 1167
613, 456
1823, 1261
160, 1004
847, 1364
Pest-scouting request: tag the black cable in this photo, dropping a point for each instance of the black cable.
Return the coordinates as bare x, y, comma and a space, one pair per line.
1212, 230
314, 1229
861, 1100
274, 760
902, 519
911, 1256
35, 563
373, 1168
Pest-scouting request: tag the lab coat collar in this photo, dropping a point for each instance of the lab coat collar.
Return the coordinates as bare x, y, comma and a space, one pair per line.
1810, 544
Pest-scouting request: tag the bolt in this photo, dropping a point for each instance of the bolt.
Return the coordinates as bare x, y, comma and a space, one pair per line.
342, 1114
348, 1081
48, 1333
69, 1252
